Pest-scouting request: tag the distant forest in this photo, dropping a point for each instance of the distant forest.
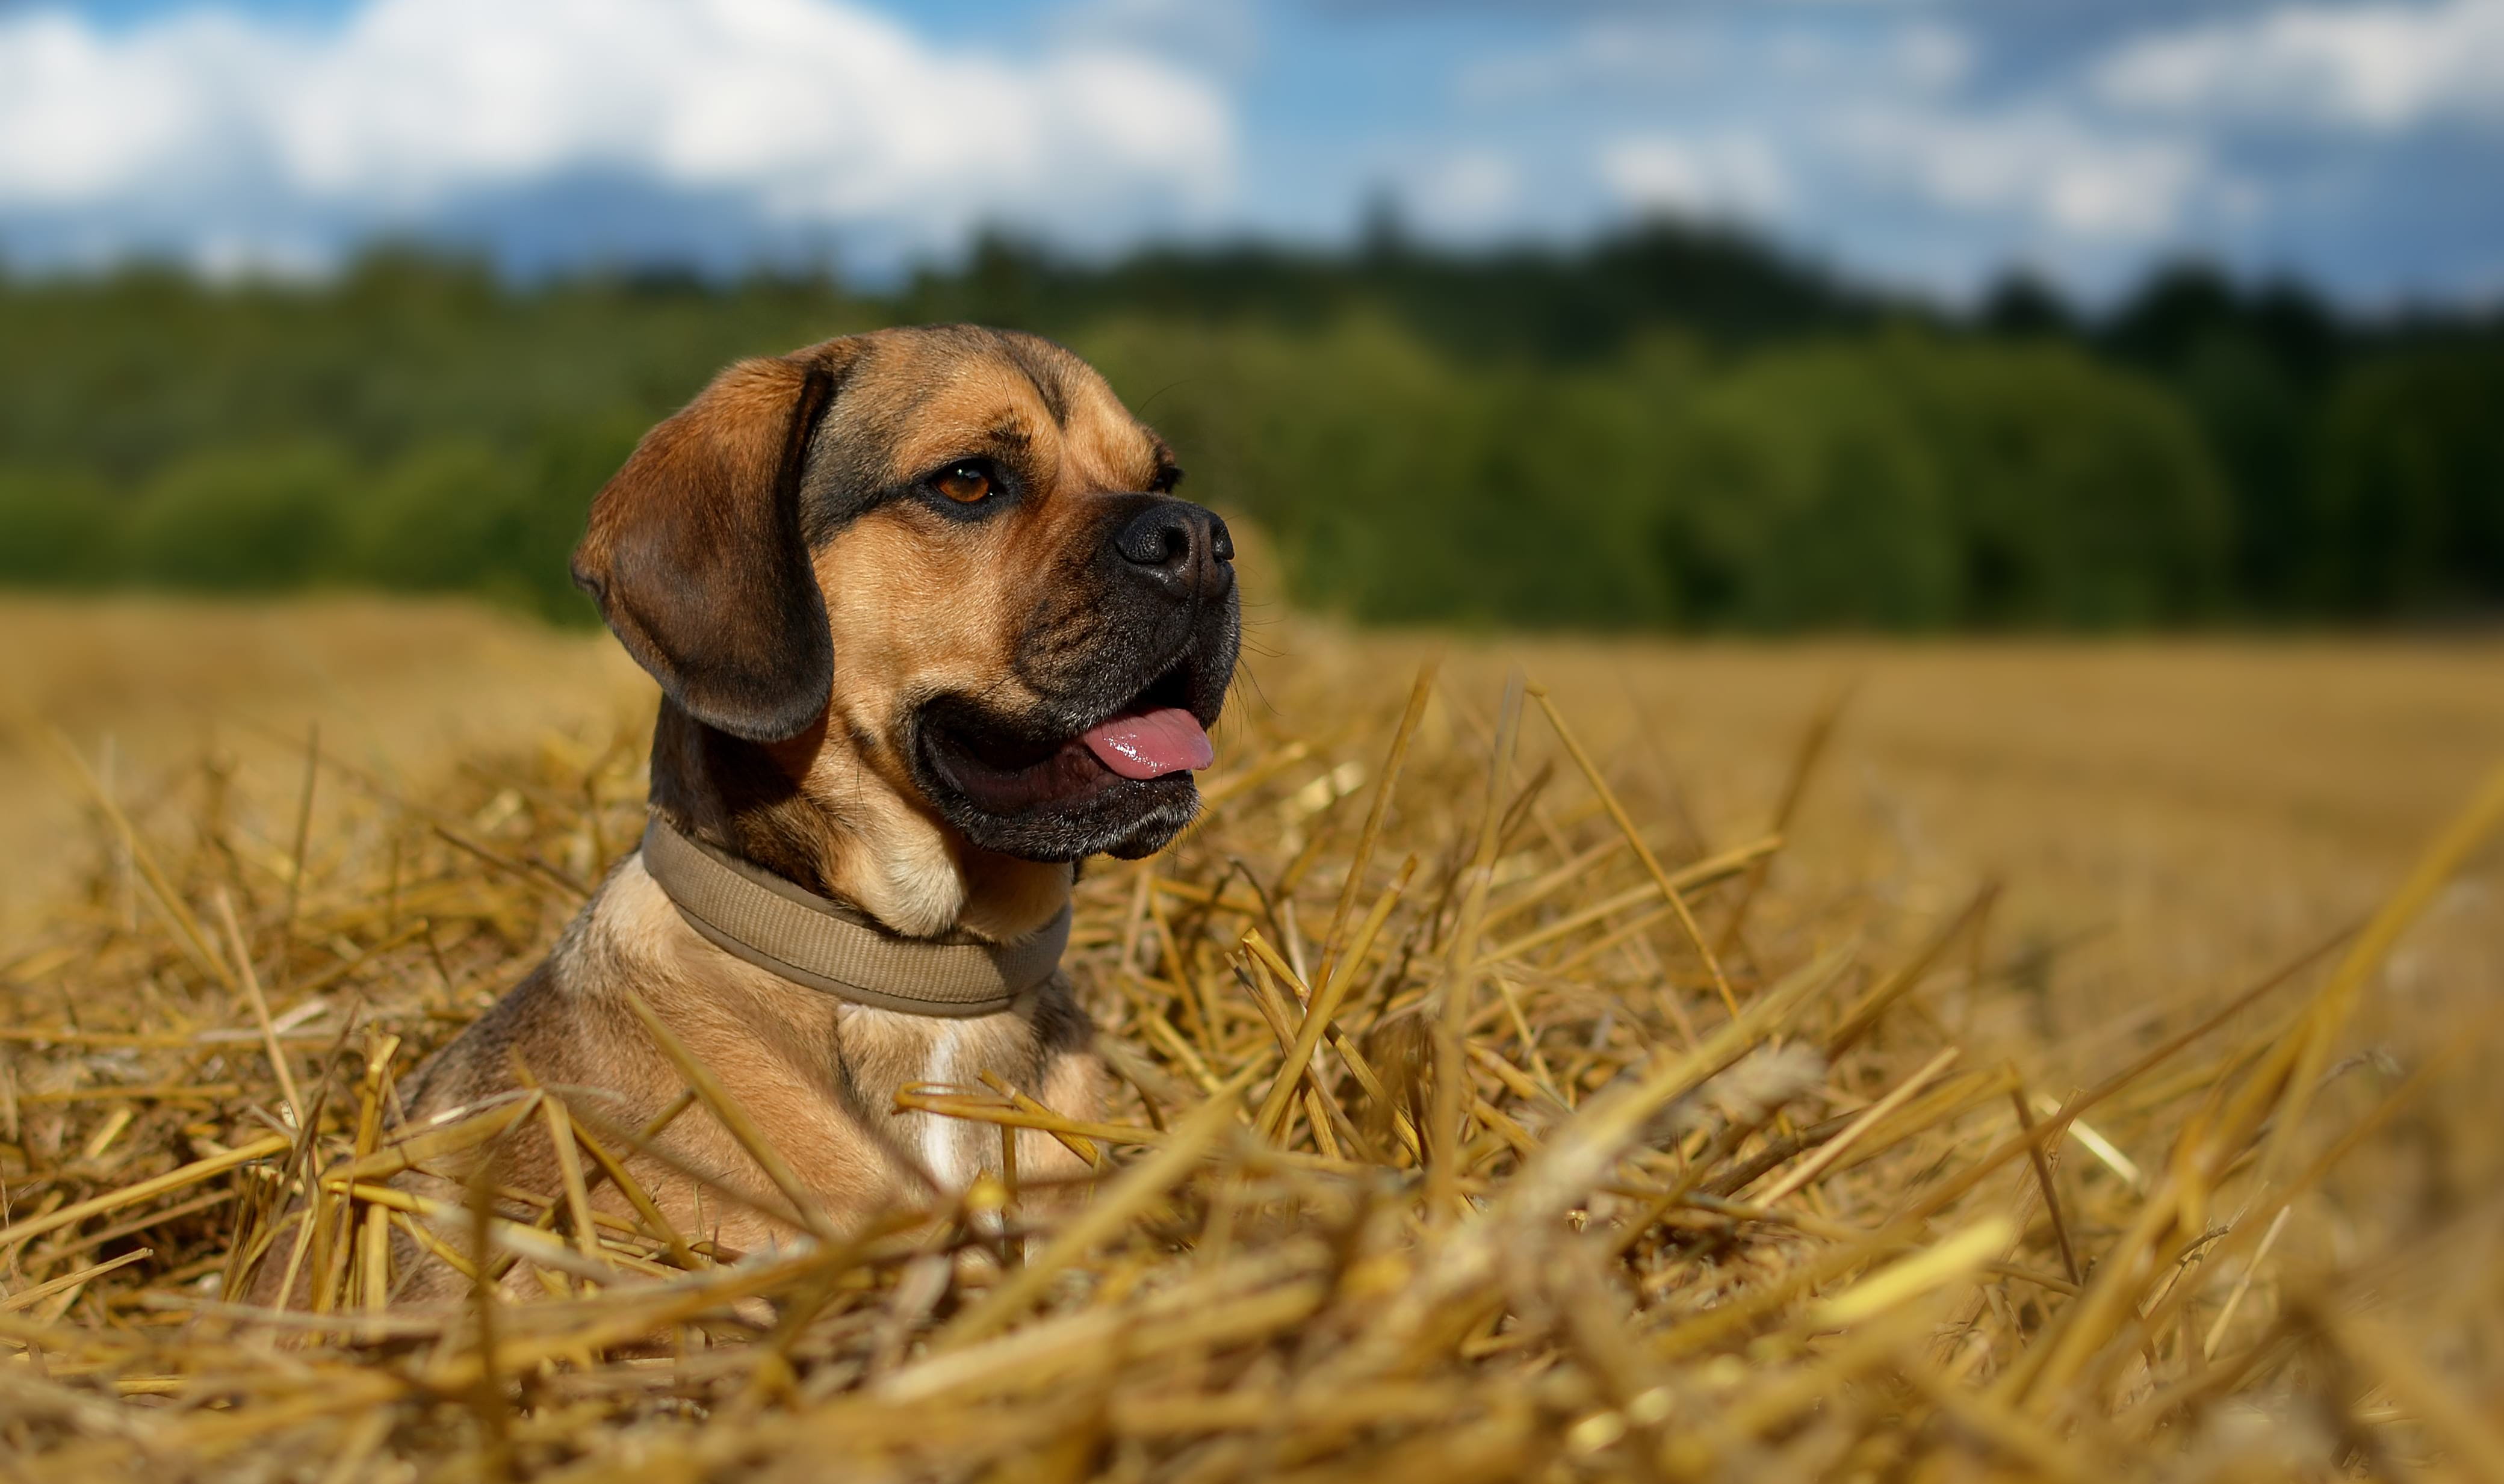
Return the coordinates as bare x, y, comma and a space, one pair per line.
1665, 429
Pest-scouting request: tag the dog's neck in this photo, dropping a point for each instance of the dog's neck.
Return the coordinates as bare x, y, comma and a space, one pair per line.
834, 814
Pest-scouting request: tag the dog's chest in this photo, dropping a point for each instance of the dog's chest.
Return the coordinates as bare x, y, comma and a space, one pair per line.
889, 1051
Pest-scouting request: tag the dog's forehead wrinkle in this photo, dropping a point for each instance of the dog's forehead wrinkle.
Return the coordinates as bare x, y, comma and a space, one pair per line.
1045, 369
1110, 451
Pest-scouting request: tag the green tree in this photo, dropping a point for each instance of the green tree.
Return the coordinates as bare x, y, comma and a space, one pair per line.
2408, 485
57, 527
1912, 483
1664, 428
244, 519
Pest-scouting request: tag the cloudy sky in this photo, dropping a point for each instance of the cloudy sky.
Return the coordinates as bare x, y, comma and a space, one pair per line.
1927, 142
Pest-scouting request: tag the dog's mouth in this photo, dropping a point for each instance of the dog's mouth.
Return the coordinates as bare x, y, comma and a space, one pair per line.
1010, 767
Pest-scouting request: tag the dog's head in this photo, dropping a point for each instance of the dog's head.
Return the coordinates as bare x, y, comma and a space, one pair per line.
946, 557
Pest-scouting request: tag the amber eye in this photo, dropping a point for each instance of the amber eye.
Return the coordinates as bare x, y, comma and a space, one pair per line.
964, 483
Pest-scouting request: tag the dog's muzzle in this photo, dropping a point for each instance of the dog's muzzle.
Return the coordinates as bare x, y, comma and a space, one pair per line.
1130, 667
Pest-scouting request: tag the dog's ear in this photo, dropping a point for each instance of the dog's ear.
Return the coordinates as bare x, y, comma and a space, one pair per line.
695, 556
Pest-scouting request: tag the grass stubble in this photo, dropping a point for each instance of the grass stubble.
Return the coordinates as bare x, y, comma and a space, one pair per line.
1475, 1120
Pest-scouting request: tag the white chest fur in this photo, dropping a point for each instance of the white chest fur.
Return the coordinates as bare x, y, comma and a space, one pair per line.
944, 1145
889, 1051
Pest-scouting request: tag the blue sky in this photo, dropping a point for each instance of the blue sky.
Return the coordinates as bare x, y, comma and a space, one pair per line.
1934, 143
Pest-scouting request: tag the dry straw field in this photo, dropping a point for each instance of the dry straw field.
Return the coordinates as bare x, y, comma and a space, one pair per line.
1691, 1065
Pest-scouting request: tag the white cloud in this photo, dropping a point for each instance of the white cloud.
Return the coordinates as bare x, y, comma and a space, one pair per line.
1717, 176
2046, 167
1468, 192
1610, 53
2383, 66
1682, 59
1223, 36
1933, 57
805, 111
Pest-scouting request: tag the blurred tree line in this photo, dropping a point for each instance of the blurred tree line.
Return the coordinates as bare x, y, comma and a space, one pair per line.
1670, 427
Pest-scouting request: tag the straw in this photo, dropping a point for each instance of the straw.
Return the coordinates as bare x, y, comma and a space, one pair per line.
1489, 1179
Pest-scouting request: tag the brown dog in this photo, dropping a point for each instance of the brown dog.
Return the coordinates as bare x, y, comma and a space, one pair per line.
930, 629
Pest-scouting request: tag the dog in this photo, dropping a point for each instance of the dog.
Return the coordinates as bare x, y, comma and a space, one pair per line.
930, 627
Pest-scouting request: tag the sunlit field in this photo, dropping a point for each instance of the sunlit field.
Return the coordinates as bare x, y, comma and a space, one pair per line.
1991, 1063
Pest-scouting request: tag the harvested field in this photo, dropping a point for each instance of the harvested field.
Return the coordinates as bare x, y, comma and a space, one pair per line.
2085, 1079
151, 688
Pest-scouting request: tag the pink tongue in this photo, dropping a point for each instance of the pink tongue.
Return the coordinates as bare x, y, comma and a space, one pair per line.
1152, 744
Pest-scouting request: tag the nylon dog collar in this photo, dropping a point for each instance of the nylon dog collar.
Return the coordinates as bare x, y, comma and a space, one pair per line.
751, 914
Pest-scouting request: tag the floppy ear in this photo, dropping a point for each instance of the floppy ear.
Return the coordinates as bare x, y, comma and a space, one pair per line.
695, 555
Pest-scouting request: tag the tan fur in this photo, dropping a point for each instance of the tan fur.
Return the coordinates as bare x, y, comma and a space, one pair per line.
912, 609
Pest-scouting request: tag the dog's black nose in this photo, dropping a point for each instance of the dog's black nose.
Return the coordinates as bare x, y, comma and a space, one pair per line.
1178, 546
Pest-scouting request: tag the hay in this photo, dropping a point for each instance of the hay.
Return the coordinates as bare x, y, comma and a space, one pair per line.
1469, 1127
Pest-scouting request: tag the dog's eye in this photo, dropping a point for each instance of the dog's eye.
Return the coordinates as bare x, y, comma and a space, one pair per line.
967, 484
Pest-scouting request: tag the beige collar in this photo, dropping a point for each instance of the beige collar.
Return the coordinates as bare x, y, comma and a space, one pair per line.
750, 913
